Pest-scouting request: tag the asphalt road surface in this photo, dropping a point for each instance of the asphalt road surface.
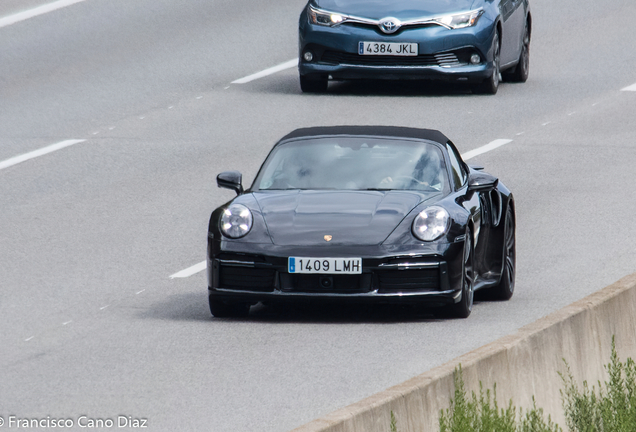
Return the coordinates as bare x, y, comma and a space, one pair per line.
93, 326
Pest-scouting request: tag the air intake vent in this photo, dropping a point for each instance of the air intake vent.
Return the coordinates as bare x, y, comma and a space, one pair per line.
245, 278
447, 60
408, 280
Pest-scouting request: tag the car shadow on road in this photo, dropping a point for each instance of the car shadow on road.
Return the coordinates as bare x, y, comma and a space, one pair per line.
337, 313
194, 307
327, 313
389, 88
179, 307
401, 88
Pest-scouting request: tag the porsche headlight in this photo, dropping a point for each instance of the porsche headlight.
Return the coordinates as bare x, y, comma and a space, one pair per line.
461, 20
236, 221
431, 223
325, 18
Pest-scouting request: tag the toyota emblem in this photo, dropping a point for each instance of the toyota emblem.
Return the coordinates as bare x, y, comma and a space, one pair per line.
390, 25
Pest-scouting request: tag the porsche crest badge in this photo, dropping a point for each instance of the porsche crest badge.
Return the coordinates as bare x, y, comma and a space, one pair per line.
328, 237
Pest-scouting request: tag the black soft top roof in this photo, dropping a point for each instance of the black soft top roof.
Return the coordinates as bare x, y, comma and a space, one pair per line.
381, 131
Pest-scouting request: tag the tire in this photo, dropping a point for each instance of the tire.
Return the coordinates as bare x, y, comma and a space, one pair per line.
313, 84
464, 307
506, 287
226, 309
521, 71
491, 85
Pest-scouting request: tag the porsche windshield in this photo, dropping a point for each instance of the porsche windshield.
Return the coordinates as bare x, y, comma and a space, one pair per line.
354, 163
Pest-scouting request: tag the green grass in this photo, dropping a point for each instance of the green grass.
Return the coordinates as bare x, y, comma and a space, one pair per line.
393, 423
481, 413
610, 408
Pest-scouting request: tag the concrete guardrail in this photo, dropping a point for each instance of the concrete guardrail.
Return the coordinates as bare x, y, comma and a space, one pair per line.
523, 365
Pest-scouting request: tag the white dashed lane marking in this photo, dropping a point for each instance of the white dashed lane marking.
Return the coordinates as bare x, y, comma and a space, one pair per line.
484, 149
36, 153
190, 270
281, 67
629, 88
41, 10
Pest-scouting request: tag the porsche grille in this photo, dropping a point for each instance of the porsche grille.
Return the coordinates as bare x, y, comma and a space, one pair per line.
385, 281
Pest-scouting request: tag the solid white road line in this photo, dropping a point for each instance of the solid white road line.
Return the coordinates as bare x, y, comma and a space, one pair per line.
36, 153
40, 10
190, 270
287, 65
630, 88
488, 147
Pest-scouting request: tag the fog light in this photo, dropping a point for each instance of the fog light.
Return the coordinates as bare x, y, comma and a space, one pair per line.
475, 59
308, 56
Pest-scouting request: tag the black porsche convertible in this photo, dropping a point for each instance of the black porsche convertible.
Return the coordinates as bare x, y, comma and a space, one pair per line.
362, 213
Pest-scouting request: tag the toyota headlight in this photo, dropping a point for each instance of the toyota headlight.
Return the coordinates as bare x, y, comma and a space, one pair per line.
325, 18
431, 223
461, 20
236, 221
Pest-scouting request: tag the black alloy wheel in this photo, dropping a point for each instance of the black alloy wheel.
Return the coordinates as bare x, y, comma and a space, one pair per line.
310, 84
226, 309
463, 308
491, 85
521, 71
506, 287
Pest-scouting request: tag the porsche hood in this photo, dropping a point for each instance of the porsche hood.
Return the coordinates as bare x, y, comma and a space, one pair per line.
307, 218
405, 9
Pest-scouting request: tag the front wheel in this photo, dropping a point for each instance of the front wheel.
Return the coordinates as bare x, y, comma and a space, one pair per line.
464, 307
506, 287
491, 85
521, 71
228, 309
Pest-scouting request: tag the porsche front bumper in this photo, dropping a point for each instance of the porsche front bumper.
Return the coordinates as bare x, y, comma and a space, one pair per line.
409, 277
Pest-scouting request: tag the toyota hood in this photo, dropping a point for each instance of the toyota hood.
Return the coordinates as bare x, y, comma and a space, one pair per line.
403, 10
304, 218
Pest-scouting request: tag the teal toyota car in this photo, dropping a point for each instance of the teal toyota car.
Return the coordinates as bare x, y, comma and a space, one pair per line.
475, 42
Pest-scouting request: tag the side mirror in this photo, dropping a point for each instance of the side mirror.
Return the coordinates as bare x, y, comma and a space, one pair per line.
482, 182
230, 180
